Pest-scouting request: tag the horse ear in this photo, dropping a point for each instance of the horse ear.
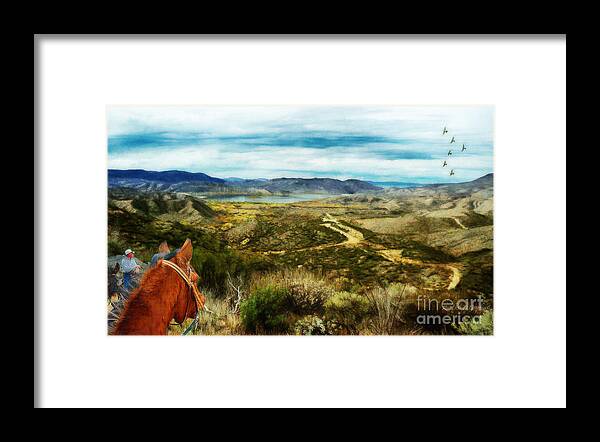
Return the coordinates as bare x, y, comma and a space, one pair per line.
163, 247
186, 250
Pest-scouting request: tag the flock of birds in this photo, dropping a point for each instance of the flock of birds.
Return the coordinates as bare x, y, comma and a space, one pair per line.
444, 132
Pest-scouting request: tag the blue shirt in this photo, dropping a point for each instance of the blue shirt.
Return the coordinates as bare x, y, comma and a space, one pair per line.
128, 265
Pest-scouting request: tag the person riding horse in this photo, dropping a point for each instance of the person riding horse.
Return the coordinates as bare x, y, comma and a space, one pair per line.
129, 267
164, 252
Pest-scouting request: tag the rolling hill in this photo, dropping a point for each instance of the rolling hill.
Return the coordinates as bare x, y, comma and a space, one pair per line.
179, 181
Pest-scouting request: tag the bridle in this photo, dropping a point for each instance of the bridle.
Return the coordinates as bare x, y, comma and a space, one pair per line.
193, 289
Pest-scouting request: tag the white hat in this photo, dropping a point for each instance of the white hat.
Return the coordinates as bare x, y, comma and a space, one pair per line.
128, 251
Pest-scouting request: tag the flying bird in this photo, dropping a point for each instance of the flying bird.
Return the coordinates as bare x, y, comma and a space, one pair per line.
445, 164
445, 131
452, 140
452, 172
450, 152
463, 148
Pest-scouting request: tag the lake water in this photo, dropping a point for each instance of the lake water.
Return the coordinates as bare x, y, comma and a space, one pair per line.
292, 198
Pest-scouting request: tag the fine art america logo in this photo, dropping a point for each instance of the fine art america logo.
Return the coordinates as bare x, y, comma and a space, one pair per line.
449, 311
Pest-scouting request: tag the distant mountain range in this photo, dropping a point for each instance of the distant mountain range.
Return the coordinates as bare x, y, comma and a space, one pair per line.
168, 176
309, 185
386, 184
481, 182
179, 181
484, 183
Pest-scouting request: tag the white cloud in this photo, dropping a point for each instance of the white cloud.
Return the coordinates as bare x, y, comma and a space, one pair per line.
420, 126
294, 162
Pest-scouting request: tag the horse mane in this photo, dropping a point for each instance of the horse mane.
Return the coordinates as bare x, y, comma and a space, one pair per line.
151, 281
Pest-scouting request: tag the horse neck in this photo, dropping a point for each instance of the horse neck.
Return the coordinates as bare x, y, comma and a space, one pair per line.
150, 308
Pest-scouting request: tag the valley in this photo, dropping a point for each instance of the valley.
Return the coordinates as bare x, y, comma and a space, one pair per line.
433, 240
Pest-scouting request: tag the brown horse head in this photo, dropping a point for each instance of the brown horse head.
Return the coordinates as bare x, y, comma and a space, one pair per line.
185, 306
161, 296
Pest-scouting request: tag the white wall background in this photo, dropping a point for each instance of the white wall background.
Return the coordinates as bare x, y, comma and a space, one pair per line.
523, 365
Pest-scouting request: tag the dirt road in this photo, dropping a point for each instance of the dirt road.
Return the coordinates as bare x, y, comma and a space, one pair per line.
395, 256
461, 225
354, 237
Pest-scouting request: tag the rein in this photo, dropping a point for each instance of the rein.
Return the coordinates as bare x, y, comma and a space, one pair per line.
193, 289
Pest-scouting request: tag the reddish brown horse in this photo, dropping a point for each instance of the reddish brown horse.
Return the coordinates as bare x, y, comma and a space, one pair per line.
162, 295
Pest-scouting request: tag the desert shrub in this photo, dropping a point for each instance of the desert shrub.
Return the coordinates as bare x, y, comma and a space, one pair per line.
308, 292
437, 312
347, 309
396, 310
219, 319
308, 296
484, 325
434, 317
264, 311
313, 325
386, 305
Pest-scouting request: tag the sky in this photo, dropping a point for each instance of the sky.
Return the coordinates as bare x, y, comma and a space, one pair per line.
371, 143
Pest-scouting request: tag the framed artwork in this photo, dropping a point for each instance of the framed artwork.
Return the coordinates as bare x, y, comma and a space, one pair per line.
291, 221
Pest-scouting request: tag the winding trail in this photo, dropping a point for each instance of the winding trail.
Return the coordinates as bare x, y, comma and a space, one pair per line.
354, 237
456, 276
395, 256
461, 225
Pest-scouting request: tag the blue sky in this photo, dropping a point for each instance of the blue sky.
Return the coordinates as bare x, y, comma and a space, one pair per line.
375, 143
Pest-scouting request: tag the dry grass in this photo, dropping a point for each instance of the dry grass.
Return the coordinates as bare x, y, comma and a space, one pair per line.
309, 291
218, 321
387, 305
221, 320
291, 277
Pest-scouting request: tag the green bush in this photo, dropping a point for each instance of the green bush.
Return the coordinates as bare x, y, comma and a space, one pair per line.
347, 309
264, 312
115, 248
213, 267
308, 291
313, 325
141, 204
484, 325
